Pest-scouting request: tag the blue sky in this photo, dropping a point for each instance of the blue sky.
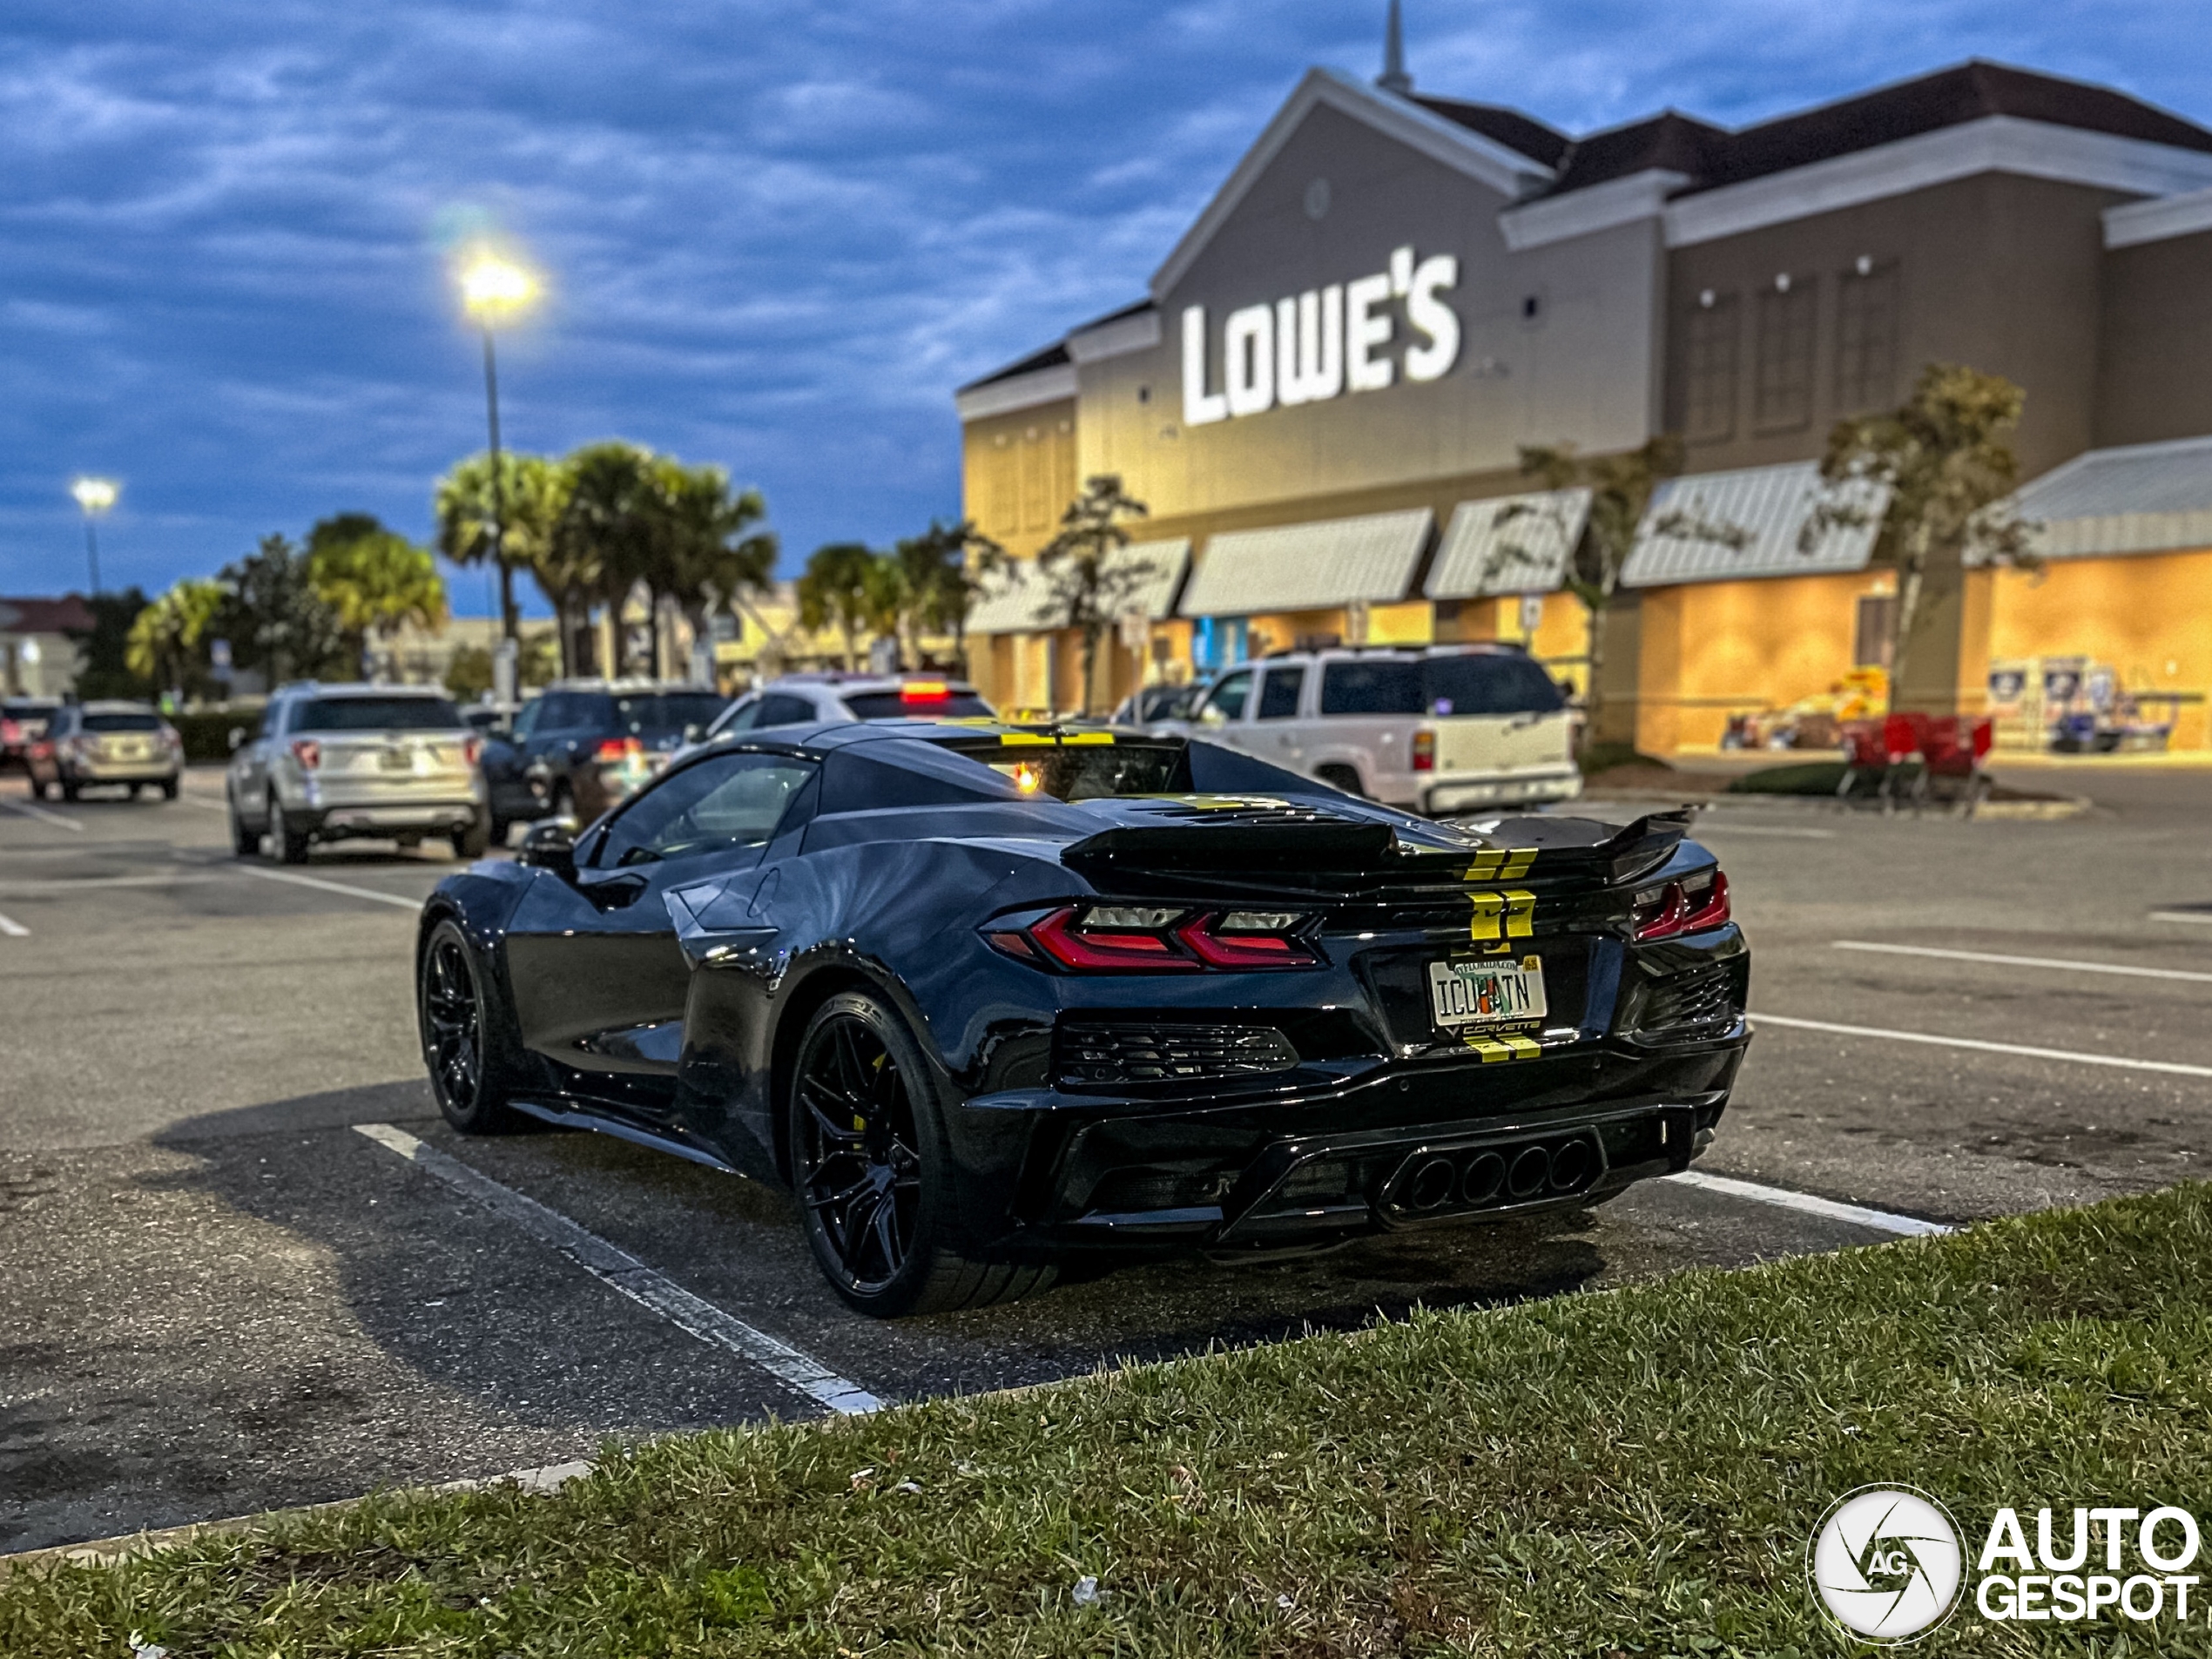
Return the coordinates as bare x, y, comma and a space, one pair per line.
777, 234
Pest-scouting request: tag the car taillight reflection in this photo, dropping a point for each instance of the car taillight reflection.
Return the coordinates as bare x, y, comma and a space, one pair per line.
1687, 907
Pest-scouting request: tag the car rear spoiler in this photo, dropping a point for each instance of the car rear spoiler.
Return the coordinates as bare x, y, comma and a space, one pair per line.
1321, 850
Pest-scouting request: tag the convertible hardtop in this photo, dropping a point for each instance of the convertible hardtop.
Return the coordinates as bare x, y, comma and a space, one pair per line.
1127, 801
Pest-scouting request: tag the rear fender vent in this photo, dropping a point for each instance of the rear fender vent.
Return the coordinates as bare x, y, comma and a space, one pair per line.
1121, 1056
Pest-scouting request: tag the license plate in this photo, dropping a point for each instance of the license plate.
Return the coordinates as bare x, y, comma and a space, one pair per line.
397, 760
1500, 993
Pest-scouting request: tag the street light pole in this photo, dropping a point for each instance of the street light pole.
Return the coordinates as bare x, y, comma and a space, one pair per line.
507, 625
94, 496
492, 289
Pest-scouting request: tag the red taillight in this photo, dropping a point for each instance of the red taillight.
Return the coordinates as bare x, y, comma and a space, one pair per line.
925, 691
1682, 908
615, 751
10, 731
1217, 948
1424, 751
472, 751
1104, 952
307, 753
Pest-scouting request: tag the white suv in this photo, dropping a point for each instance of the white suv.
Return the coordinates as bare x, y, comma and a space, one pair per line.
1439, 730
832, 699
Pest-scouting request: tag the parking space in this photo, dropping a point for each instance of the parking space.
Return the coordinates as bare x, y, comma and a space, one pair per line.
217, 1295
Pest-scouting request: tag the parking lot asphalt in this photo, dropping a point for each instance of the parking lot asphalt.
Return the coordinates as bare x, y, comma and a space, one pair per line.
216, 1295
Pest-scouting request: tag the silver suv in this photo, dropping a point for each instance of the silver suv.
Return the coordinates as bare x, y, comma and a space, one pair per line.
828, 700
332, 762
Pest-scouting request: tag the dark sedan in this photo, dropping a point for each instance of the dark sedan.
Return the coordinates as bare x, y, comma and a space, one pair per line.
984, 995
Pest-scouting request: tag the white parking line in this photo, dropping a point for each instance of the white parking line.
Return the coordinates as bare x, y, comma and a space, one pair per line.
2175, 1067
1881, 1220
71, 883
618, 1269
2024, 961
11, 928
320, 885
2195, 918
41, 814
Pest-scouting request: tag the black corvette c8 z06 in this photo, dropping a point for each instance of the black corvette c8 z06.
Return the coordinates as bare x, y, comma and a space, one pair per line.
984, 995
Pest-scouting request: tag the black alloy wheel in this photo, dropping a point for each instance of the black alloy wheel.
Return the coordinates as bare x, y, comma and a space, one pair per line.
464, 1043
859, 1154
869, 1161
245, 843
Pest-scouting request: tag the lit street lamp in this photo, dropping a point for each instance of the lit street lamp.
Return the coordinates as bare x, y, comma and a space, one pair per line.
493, 291
95, 496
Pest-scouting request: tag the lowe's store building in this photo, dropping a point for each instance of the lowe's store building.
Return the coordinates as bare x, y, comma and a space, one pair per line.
1323, 396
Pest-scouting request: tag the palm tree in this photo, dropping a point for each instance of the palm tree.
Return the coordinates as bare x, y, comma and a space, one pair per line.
163, 645
607, 526
534, 490
941, 568
374, 579
835, 588
706, 549
1086, 586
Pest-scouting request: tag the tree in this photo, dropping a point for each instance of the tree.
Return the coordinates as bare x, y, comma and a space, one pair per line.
534, 490
1621, 487
374, 579
274, 619
166, 647
941, 570
104, 653
1946, 455
607, 525
835, 589
1086, 586
705, 548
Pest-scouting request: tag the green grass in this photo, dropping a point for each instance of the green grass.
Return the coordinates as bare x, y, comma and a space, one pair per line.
1634, 1472
1800, 778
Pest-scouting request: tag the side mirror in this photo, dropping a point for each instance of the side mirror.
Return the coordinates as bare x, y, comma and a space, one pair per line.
1211, 716
694, 732
237, 738
550, 845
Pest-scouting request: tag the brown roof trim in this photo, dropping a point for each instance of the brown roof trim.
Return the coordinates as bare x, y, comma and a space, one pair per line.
1523, 134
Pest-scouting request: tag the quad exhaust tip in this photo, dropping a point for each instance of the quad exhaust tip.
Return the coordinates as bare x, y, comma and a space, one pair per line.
1488, 1178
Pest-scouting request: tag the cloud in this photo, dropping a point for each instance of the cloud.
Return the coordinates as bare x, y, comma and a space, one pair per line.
777, 234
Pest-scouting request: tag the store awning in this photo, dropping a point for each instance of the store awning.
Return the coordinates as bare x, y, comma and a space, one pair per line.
1309, 567
1725, 526
1508, 544
2145, 498
1146, 576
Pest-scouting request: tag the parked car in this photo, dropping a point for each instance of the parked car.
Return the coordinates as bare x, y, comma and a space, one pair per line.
1157, 703
580, 745
22, 722
87, 744
985, 995
1434, 729
816, 699
330, 763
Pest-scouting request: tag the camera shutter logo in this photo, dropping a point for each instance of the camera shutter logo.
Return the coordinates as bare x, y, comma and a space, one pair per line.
1886, 1563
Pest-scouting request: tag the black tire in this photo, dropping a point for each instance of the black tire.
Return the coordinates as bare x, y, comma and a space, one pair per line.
286, 844
69, 787
563, 802
469, 1038
471, 840
876, 1200
169, 788
497, 835
245, 843
37, 789
1342, 778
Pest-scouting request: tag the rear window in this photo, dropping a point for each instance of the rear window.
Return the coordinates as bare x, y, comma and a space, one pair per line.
663, 711
122, 722
1089, 771
1474, 683
378, 714
894, 705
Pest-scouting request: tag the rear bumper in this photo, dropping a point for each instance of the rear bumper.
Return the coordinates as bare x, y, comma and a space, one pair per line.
387, 818
1468, 794
1404, 1144
122, 771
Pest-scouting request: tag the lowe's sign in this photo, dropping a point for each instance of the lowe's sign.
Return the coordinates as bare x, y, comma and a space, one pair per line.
1309, 346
